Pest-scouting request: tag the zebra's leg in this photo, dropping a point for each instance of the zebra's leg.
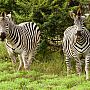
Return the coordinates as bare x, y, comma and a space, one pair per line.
11, 54
68, 63
87, 58
31, 54
78, 66
25, 57
28, 60
21, 62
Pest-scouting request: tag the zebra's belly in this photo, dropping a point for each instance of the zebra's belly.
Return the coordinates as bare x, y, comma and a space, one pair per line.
18, 50
14, 49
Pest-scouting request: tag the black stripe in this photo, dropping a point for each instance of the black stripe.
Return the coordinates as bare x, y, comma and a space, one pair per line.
20, 37
32, 25
15, 36
35, 27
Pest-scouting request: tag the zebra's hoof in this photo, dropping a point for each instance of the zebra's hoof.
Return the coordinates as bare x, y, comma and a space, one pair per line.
19, 68
87, 79
13, 62
27, 68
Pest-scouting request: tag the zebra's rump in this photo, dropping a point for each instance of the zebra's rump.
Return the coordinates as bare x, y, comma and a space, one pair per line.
31, 35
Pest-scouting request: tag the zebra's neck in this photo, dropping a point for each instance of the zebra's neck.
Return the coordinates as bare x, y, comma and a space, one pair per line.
11, 25
78, 23
12, 36
79, 26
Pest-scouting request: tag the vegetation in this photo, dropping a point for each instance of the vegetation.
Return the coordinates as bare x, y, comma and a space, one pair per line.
50, 75
52, 16
48, 70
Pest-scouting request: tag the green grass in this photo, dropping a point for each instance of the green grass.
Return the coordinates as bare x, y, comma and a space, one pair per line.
44, 75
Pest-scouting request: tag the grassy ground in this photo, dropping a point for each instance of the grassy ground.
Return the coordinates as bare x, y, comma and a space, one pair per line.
46, 75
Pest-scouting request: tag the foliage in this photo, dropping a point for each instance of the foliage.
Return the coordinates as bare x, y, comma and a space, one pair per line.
52, 16
48, 70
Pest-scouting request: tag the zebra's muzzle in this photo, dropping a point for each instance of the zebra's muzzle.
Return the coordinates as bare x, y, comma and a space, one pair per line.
78, 35
78, 38
3, 36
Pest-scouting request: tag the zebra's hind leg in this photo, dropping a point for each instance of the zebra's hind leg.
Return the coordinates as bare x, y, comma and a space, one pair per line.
68, 63
21, 62
28, 60
87, 58
31, 56
25, 57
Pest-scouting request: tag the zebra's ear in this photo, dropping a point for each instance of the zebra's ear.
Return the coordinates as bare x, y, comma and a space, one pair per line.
86, 15
0, 15
72, 15
3, 14
79, 10
9, 15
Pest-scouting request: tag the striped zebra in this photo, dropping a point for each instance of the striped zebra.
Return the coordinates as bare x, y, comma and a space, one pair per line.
21, 39
76, 42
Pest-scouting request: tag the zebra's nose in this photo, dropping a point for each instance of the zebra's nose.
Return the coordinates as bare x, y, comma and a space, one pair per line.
78, 33
3, 36
78, 37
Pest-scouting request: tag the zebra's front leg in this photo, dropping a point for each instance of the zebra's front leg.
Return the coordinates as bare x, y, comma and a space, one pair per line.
11, 54
13, 58
87, 58
68, 63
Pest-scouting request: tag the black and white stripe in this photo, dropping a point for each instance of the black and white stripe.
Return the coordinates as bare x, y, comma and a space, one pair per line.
22, 39
76, 42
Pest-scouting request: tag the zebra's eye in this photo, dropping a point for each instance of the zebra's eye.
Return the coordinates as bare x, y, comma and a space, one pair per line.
7, 24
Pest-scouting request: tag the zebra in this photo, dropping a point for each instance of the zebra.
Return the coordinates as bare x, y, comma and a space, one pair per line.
76, 42
22, 39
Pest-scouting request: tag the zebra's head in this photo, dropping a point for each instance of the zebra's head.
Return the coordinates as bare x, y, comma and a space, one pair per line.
4, 25
78, 22
78, 19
